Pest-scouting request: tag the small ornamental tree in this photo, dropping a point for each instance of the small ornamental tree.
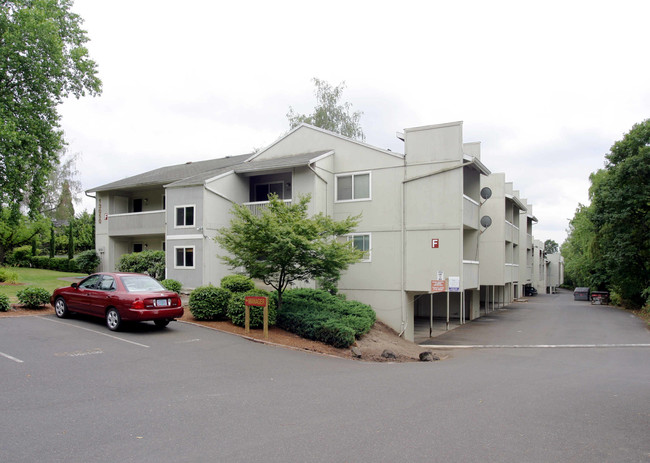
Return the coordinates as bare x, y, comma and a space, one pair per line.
283, 245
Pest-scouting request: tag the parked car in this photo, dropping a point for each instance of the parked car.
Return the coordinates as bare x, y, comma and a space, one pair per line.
530, 291
119, 297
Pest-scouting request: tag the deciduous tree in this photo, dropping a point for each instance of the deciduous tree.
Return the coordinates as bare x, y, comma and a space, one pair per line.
283, 245
329, 113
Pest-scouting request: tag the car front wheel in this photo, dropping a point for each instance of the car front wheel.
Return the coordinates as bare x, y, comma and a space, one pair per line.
60, 308
113, 319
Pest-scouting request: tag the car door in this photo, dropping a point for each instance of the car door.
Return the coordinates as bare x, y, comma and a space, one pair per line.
104, 295
81, 298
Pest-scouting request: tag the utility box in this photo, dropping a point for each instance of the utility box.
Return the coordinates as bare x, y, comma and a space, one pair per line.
581, 294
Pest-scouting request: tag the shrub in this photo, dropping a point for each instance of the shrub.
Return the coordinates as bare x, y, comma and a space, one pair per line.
318, 315
237, 309
33, 297
20, 257
41, 262
88, 261
151, 263
172, 285
8, 276
209, 302
61, 264
237, 283
4, 303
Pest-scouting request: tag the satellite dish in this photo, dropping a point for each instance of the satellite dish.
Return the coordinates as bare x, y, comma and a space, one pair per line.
486, 193
486, 221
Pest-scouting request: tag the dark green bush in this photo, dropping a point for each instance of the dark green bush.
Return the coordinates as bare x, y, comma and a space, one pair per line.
237, 283
172, 285
41, 262
319, 315
61, 264
8, 276
237, 310
4, 303
151, 263
33, 297
20, 257
88, 261
209, 302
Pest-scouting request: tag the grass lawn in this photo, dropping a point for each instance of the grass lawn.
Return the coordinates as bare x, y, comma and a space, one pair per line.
47, 279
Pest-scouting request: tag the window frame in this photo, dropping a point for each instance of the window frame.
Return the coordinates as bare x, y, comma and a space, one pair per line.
184, 267
352, 175
351, 236
185, 207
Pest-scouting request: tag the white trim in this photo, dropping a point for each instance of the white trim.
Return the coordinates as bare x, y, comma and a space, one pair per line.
185, 206
217, 177
349, 237
321, 157
184, 267
184, 237
475, 262
352, 174
471, 200
131, 214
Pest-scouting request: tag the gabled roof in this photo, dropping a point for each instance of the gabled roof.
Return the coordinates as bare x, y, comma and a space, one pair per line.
285, 162
171, 174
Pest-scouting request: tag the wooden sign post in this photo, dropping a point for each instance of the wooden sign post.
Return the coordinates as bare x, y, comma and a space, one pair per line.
256, 301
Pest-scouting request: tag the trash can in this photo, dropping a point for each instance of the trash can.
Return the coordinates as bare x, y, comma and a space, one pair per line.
581, 294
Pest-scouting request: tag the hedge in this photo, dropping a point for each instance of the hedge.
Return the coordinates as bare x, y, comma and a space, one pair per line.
33, 297
237, 309
237, 283
61, 264
4, 303
172, 285
151, 263
318, 315
88, 261
209, 302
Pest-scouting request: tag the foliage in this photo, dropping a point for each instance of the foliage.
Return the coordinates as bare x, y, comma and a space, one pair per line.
61, 181
88, 261
172, 285
151, 263
237, 283
84, 231
33, 297
42, 60
318, 315
237, 309
209, 302
20, 256
283, 245
329, 113
608, 246
550, 247
8, 276
62, 264
4, 303
17, 231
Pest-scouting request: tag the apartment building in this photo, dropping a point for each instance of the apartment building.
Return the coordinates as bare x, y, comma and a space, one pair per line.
420, 217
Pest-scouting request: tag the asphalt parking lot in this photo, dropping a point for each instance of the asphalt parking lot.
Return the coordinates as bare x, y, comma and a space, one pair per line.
72, 391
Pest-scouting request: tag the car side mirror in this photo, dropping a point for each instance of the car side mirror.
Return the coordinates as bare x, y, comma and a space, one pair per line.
74, 285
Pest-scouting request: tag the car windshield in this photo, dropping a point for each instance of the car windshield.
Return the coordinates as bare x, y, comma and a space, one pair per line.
140, 283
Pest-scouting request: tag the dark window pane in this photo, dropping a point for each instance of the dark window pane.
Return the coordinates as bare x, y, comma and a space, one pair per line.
180, 216
189, 216
344, 188
180, 261
189, 257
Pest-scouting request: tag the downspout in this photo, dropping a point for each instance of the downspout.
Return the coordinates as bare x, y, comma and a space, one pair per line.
403, 256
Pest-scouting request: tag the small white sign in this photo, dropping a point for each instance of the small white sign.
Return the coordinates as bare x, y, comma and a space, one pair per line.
454, 284
441, 275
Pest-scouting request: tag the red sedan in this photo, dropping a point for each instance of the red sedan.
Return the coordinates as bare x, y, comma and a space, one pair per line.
119, 297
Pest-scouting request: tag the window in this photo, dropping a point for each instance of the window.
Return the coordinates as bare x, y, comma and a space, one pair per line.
137, 205
263, 190
362, 243
184, 216
353, 187
184, 257
137, 247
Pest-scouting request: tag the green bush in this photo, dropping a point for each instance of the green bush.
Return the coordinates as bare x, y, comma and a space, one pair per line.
151, 263
33, 297
8, 276
88, 261
61, 264
318, 315
237, 309
20, 257
172, 285
4, 303
237, 283
41, 262
209, 302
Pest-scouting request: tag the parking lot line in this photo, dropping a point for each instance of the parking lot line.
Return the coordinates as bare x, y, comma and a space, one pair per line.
2, 354
93, 331
530, 346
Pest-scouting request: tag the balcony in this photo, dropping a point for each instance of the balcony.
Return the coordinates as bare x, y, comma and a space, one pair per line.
470, 274
137, 223
257, 207
470, 213
511, 273
512, 233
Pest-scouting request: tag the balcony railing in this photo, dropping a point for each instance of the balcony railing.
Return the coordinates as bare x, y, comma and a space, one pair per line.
511, 273
137, 223
512, 233
470, 213
258, 206
470, 274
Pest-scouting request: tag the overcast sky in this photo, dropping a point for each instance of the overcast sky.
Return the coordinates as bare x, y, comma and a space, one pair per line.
547, 87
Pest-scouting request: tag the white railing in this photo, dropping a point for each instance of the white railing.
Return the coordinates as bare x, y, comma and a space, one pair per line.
258, 206
470, 212
470, 273
137, 223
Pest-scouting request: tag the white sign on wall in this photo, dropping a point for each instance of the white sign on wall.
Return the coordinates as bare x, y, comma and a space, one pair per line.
454, 284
